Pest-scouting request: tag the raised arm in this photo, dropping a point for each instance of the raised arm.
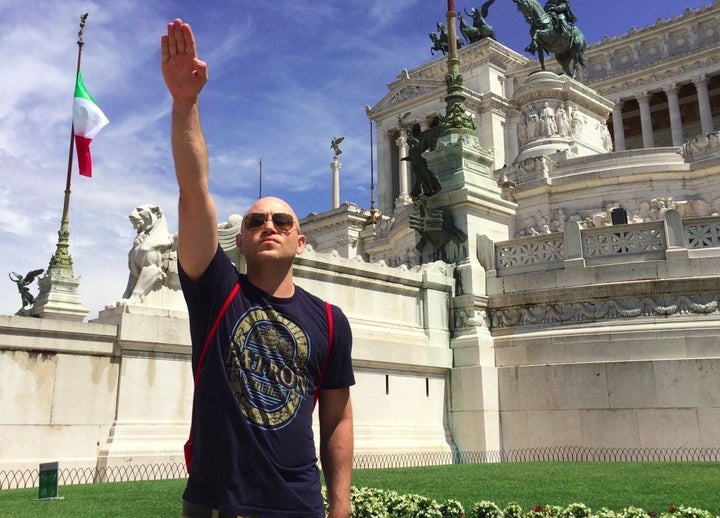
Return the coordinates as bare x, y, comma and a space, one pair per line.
185, 75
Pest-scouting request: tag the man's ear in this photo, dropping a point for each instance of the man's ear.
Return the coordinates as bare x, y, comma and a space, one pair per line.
238, 242
300, 244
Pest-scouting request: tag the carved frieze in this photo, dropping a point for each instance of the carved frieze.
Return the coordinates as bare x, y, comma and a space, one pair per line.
689, 305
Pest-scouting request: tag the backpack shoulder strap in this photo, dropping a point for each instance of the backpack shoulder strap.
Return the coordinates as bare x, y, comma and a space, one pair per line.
328, 311
213, 329
189, 443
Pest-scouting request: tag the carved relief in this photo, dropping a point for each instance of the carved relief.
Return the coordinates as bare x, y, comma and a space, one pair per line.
595, 310
701, 145
471, 317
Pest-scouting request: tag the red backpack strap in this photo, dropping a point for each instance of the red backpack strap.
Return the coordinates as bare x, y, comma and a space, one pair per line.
328, 310
214, 327
188, 444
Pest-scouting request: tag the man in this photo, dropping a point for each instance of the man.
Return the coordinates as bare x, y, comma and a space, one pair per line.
253, 452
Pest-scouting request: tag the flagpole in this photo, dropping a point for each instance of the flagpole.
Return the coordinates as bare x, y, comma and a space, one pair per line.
58, 296
62, 251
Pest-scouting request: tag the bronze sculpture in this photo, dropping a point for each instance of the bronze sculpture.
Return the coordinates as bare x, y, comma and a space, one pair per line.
440, 40
23, 281
479, 29
552, 30
335, 145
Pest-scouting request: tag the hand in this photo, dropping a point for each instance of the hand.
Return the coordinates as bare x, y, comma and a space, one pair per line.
184, 74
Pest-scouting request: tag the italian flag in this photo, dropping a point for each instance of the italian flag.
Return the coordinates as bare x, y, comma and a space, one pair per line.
88, 119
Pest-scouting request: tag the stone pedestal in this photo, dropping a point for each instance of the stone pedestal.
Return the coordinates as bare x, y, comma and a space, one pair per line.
558, 113
155, 384
58, 297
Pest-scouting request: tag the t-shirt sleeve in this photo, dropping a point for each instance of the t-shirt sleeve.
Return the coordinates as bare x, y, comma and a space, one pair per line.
205, 296
339, 373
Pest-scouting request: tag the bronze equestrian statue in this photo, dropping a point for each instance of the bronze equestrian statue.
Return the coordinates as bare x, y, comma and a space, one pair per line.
553, 30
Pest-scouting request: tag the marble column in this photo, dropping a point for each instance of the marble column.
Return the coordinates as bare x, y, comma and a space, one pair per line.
646, 120
706, 121
404, 170
386, 164
675, 119
335, 165
618, 128
511, 139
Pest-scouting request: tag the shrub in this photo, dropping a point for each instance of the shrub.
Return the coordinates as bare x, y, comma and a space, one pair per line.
576, 511
686, 512
486, 509
513, 510
380, 503
452, 509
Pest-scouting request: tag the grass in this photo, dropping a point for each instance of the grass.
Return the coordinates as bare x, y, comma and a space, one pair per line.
653, 486
158, 499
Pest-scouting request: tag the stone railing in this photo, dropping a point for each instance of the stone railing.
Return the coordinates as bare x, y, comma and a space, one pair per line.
651, 270
605, 245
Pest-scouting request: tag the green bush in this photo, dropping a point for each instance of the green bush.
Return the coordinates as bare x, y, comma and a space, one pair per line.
380, 503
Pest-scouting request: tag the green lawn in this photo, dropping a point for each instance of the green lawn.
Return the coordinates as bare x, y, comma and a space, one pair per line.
653, 486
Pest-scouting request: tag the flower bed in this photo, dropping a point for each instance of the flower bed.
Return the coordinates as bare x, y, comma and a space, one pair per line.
380, 503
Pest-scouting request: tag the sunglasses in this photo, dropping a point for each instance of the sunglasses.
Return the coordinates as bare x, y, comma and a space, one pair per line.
282, 221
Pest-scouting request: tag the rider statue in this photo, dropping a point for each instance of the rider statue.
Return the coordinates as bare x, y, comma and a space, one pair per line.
561, 14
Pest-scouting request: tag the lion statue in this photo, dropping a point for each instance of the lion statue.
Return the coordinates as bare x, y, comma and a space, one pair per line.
152, 260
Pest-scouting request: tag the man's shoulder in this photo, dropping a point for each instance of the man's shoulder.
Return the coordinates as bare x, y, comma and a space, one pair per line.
303, 294
307, 297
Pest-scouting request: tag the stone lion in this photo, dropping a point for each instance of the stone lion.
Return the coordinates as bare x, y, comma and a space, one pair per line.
152, 260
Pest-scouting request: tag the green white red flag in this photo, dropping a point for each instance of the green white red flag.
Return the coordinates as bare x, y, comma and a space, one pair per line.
88, 120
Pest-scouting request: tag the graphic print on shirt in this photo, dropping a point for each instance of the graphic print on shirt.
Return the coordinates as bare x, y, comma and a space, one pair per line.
266, 364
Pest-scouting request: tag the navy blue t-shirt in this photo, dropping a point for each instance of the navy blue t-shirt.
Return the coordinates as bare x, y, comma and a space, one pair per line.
253, 447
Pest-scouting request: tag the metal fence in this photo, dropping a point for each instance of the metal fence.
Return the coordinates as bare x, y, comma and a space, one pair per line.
548, 454
28, 478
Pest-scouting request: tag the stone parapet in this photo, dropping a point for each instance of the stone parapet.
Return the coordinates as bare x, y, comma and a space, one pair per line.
647, 270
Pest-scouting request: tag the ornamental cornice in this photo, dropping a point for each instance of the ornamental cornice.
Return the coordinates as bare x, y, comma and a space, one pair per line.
661, 73
661, 25
596, 292
679, 305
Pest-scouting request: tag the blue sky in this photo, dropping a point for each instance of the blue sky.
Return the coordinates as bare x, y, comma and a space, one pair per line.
285, 79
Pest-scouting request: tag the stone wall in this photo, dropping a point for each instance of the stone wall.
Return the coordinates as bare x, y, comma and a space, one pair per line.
615, 342
118, 391
59, 391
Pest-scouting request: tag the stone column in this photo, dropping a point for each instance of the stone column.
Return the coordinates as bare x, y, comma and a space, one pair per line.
675, 120
403, 167
511, 139
335, 165
385, 169
706, 121
646, 120
404, 172
618, 128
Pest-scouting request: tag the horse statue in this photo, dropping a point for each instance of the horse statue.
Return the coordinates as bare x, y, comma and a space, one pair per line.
440, 40
484, 29
552, 31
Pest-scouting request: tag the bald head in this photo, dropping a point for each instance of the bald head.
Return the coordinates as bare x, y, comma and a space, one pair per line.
271, 204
